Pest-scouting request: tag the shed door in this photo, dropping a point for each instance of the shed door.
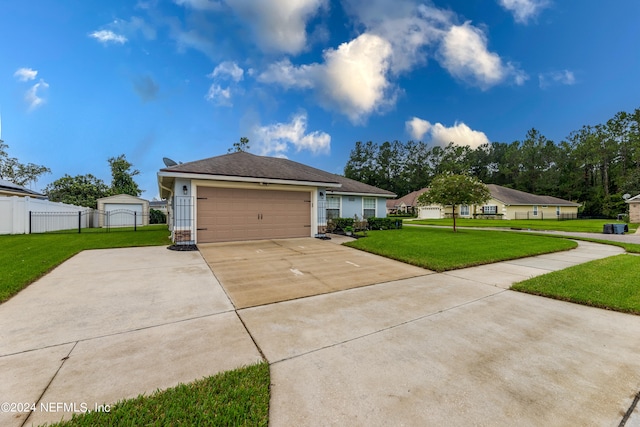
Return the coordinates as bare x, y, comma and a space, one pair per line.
229, 214
122, 214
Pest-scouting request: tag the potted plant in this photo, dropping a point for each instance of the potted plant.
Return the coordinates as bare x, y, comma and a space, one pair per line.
348, 230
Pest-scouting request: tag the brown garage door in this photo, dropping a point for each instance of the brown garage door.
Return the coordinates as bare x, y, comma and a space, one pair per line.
228, 214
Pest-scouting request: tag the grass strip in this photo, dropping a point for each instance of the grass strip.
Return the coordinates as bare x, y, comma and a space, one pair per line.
441, 249
612, 283
575, 225
233, 398
26, 257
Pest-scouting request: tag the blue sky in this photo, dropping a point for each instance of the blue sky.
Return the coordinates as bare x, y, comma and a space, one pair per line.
82, 81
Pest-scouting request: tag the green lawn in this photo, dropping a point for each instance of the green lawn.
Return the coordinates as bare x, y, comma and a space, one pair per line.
441, 249
577, 225
612, 283
26, 257
233, 398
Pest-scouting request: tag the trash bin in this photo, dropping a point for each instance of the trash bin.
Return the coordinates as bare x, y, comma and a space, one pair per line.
618, 228
607, 229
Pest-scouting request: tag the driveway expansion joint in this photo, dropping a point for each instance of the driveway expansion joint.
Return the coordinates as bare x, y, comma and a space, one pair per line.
63, 360
406, 322
632, 408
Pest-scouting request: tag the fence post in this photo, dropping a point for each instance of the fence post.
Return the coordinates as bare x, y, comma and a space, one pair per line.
29, 222
79, 222
135, 220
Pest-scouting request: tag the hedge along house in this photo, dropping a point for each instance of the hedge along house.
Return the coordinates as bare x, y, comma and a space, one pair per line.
242, 196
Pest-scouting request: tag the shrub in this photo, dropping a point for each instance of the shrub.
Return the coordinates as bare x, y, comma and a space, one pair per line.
343, 223
157, 217
384, 223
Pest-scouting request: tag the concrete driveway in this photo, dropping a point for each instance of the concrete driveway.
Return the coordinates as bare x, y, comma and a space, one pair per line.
263, 272
455, 348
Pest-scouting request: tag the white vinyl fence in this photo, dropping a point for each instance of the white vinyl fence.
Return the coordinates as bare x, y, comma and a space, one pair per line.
14, 214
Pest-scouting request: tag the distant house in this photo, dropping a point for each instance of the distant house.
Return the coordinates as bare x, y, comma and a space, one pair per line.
8, 188
634, 209
505, 203
515, 204
405, 204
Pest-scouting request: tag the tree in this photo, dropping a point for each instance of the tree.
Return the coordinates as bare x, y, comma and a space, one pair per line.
81, 190
453, 190
19, 173
122, 177
240, 147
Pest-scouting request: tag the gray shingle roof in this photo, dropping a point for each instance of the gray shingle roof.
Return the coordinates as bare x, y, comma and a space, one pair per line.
509, 196
242, 164
15, 188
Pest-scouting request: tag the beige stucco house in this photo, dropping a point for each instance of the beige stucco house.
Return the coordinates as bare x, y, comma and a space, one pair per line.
505, 203
634, 209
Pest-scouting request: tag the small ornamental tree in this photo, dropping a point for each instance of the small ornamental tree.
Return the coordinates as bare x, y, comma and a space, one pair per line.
453, 190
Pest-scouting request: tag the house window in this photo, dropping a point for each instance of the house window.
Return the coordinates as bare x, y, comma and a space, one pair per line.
464, 210
368, 207
535, 210
490, 210
333, 207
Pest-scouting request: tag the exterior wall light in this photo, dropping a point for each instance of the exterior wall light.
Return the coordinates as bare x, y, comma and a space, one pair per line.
185, 191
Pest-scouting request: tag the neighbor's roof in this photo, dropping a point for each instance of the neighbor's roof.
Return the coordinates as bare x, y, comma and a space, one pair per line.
9, 187
410, 199
509, 196
634, 199
247, 165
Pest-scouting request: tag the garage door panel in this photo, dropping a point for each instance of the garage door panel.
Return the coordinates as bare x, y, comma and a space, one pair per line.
226, 214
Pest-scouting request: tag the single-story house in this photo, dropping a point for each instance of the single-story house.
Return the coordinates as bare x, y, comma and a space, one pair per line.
8, 188
123, 210
505, 203
242, 196
405, 204
634, 209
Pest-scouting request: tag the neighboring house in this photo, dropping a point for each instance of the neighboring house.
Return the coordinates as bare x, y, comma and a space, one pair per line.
242, 196
405, 204
634, 209
159, 205
123, 210
8, 188
505, 203
515, 204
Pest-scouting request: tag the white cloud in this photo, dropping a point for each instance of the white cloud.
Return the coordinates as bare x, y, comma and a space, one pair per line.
108, 36
289, 76
228, 68
33, 96
523, 10
353, 78
25, 74
417, 127
219, 95
279, 26
465, 55
275, 139
200, 4
439, 134
564, 77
